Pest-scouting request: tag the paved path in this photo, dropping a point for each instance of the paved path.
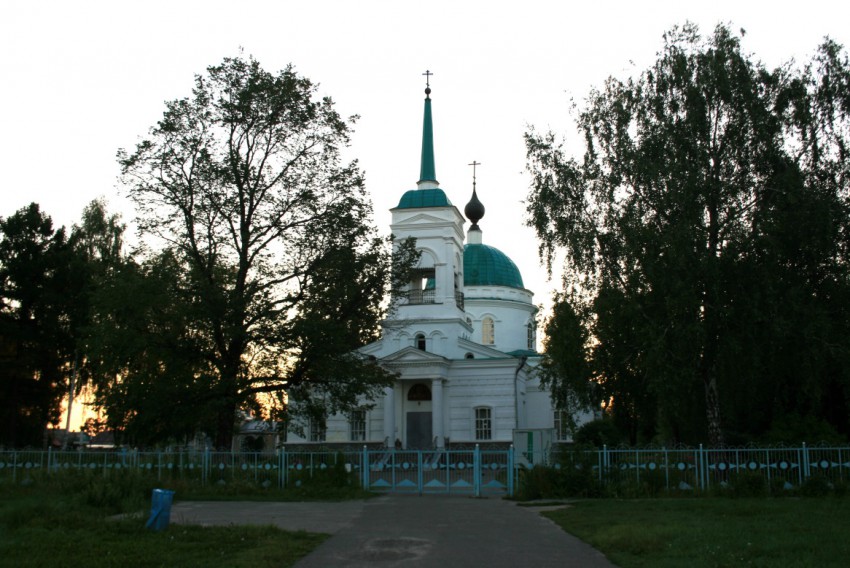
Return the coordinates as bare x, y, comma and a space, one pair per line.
406, 530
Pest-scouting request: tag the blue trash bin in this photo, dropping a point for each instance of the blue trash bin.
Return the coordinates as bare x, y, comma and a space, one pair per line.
160, 509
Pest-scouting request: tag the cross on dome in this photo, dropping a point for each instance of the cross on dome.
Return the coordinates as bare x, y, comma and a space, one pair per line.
474, 210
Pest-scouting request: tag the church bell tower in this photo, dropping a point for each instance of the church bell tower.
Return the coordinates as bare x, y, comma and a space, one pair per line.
434, 296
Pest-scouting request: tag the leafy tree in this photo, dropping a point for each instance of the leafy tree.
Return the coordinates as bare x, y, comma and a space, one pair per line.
566, 372
148, 369
36, 311
706, 228
279, 273
97, 246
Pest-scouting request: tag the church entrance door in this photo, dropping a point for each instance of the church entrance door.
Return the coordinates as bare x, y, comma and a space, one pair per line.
419, 430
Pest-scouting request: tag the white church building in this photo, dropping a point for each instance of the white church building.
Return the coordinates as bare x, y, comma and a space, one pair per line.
461, 341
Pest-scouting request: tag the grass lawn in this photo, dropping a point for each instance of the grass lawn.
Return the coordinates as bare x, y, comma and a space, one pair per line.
714, 531
50, 526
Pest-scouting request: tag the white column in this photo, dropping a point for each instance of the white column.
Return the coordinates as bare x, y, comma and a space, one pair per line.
449, 271
389, 416
437, 411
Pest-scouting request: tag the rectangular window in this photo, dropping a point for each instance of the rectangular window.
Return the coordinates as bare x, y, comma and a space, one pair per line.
483, 424
562, 426
357, 425
317, 430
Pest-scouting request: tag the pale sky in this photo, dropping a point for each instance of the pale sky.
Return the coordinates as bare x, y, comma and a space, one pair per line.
81, 79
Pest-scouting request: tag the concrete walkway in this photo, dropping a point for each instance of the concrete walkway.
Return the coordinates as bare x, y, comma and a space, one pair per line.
407, 530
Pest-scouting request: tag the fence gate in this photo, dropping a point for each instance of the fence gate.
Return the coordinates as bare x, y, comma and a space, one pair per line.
474, 472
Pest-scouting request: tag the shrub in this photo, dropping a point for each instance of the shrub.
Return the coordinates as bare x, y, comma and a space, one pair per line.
748, 484
816, 486
598, 433
537, 483
575, 476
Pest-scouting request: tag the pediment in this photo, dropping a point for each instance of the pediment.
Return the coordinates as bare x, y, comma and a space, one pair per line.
371, 348
421, 219
481, 351
413, 355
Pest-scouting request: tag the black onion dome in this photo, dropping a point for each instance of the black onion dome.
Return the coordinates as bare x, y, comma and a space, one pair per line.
474, 210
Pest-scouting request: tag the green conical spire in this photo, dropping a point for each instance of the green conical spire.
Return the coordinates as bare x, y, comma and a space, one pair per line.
427, 170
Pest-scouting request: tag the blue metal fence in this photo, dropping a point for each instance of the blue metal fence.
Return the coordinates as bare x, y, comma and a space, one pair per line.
704, 468
475, 472
469, 471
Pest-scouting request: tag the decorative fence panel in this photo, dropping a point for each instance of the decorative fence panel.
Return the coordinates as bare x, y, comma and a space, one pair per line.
470, 471
701, 468
473, 472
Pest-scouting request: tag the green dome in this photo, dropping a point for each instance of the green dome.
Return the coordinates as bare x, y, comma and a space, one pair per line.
488, 266
418, 198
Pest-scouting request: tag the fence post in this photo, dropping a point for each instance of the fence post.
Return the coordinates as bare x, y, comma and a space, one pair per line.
284, 468
637, 466
476, 470
511, 471
419, 480
806, 472
701, 469
49, 454
364, 467
767, 463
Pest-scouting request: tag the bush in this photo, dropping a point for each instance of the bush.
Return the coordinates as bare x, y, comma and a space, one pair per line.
537, 483
748, 484
598, 433
575, 476
816, 486
334, 476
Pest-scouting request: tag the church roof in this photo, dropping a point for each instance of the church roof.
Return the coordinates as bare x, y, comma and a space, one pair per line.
417, 198
484, 265
523, 353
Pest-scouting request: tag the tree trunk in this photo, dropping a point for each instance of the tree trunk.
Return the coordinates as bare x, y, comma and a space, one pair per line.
224, 426
711, 324
712, 411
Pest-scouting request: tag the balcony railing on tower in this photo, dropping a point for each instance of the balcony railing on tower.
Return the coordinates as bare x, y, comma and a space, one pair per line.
427, 296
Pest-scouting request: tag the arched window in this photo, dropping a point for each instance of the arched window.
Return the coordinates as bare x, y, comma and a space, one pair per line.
469, 356
420, 341
418, 393
488, 331
532, 343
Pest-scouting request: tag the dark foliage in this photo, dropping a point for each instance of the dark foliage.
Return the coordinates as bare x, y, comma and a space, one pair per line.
706, 237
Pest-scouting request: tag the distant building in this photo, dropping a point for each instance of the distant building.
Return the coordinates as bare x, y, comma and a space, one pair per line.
462, 340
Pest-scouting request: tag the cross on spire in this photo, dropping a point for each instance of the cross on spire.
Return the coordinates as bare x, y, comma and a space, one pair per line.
427, 74
474, 164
